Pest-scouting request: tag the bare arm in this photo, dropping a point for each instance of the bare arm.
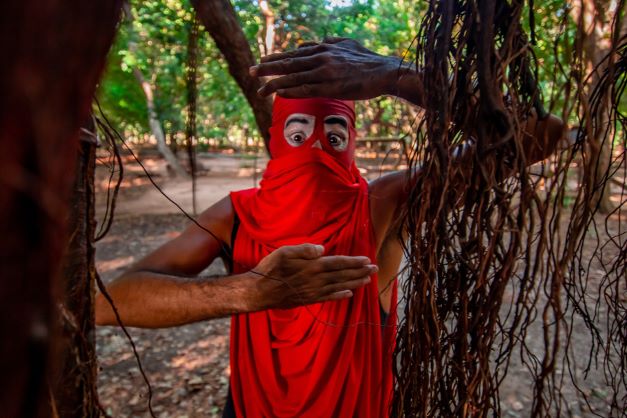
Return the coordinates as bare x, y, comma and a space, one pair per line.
162, 289
388, 193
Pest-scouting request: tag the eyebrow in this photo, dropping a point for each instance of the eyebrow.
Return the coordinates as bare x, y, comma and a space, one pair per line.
296, 120
335, 120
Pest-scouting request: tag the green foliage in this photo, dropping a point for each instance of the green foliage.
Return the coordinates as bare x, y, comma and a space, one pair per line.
120, 94
154, 42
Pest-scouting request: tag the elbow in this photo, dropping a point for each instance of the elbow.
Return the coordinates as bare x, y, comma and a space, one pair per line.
103, 311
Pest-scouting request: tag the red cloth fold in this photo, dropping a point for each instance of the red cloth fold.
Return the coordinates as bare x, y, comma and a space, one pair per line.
324, 360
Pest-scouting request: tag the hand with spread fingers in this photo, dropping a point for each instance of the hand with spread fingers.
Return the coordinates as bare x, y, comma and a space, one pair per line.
300, 274
339, 68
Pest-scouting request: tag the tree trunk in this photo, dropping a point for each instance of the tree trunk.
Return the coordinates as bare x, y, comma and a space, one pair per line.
75, 393
268, 15
597, 24
192, 96
155, 126
153, 118
53, 55
220, 20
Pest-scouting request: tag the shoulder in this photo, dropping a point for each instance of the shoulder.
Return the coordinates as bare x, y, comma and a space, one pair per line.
385, 195
217, 220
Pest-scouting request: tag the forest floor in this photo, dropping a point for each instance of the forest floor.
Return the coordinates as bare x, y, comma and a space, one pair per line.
188, 366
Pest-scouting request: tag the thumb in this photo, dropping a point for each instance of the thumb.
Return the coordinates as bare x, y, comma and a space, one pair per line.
307, 251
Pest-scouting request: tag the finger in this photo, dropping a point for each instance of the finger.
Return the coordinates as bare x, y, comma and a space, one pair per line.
285, 66
303, 251
351, 285
346, 275
304, 90
308, 78
334, 39
308, 43
342, 262
295, 53
343, 294
335, 89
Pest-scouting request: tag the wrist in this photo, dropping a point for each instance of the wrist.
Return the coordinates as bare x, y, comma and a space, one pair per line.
253, 292
403, 81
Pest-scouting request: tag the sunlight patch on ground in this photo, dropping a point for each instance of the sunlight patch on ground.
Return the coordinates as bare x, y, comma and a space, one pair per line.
201, 353
116, 263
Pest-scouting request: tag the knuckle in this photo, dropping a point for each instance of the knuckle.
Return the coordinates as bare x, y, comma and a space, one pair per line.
325, 58
282, 253
291, 78
306, 89
286, 64
327, 72
308, 252
323, 264
271, 84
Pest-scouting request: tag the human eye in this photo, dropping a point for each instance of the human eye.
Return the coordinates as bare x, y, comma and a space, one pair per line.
337, 140
296, 138
298, 127
336, 131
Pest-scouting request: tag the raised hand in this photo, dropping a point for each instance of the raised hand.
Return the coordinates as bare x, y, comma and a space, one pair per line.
296, 275
340, 68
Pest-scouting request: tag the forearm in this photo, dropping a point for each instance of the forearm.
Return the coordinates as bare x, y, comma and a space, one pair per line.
153, 300
541, 138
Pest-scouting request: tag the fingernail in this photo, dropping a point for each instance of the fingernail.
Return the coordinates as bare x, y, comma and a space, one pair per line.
253, 70
365, 259
320, 249
373, 267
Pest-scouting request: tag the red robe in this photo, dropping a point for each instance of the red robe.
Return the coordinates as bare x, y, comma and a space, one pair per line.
329, 359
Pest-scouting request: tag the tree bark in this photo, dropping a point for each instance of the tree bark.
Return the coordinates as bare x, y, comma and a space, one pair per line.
220, 20
53, 55
75, 393
155, 126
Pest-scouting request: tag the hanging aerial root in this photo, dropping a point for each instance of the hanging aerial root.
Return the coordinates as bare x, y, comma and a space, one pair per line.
494, 258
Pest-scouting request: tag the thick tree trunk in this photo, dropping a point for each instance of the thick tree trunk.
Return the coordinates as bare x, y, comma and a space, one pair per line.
75, 393
155, 126
220, 20
53, 54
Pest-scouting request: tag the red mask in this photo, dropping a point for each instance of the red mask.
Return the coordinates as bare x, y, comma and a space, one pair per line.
299, 125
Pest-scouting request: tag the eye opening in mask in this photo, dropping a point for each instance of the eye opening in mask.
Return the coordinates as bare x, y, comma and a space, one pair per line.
336, 131
298, 128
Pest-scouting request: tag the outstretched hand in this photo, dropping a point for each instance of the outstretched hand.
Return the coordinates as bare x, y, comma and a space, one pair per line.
338, 68
298, 275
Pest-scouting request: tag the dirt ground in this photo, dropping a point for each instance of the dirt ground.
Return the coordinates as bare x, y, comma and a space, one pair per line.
188, 366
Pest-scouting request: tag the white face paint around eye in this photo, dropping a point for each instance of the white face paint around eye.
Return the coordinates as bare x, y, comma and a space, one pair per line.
336, 131
298, 127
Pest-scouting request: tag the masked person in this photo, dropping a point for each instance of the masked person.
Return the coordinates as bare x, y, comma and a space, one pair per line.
309, 236
329, 359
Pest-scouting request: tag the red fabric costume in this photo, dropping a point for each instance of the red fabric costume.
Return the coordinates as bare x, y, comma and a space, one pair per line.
329, 359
